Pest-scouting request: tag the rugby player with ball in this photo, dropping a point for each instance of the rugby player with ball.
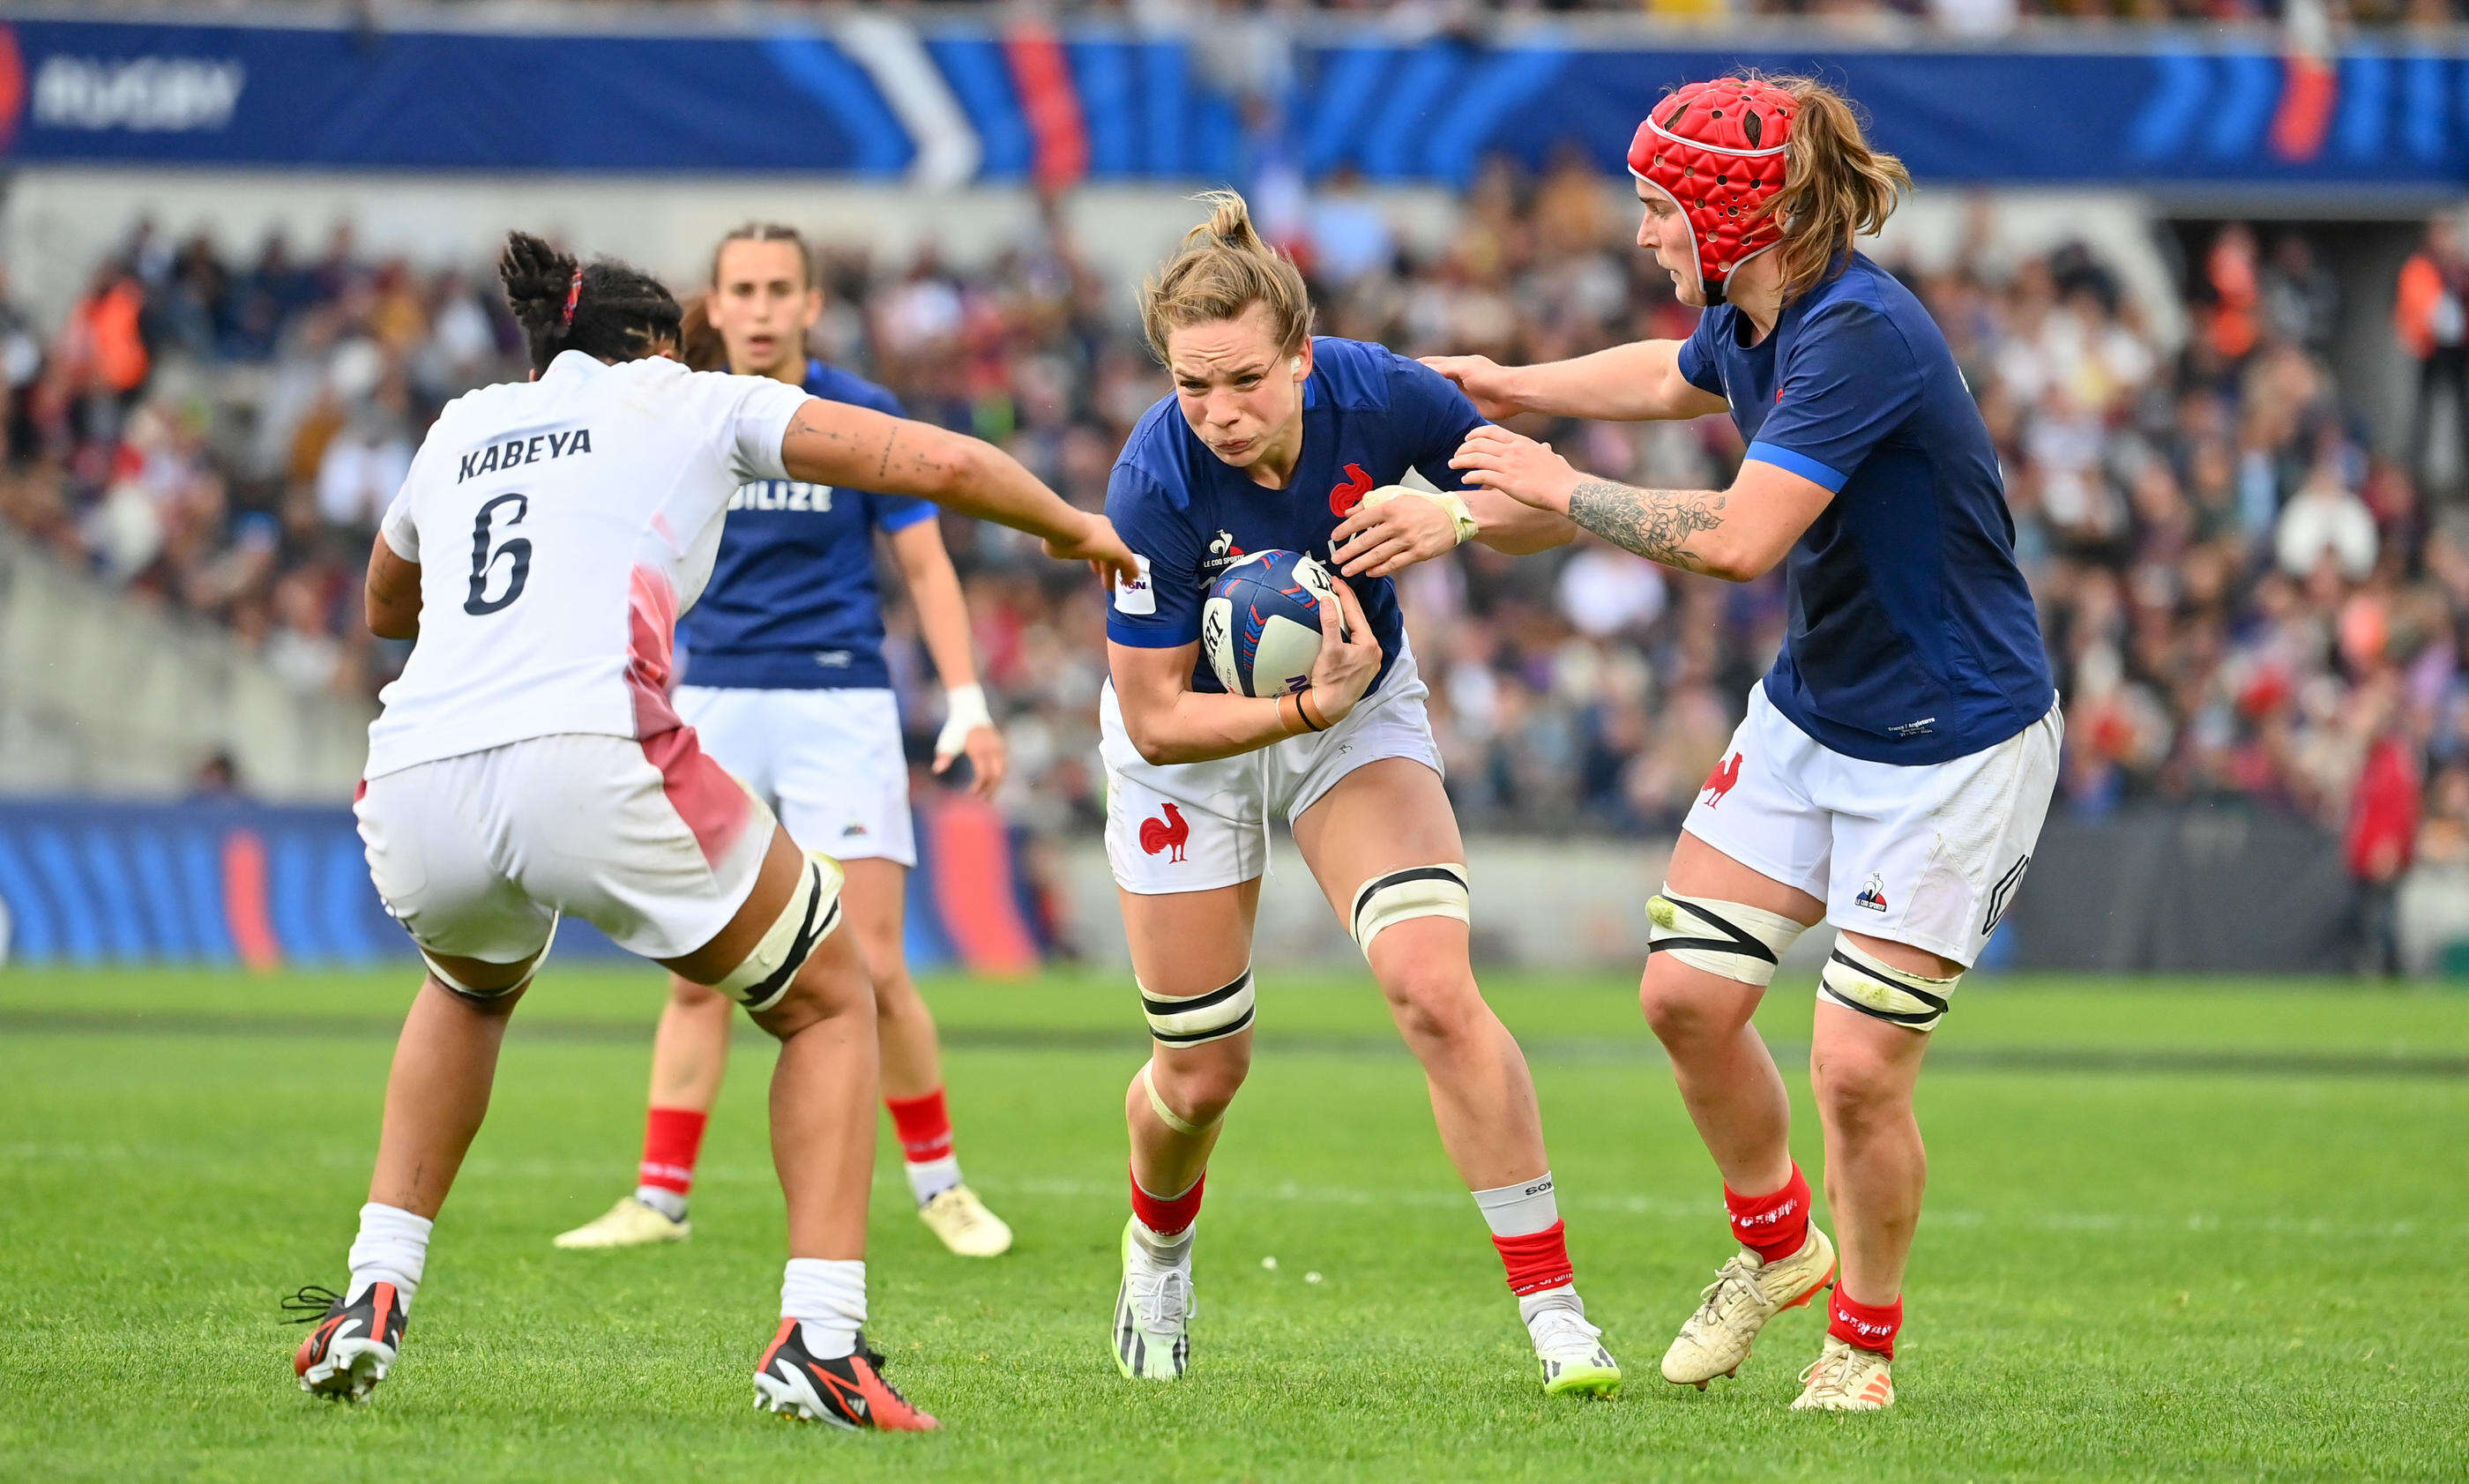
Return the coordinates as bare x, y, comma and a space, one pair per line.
1245, 682
1896, 764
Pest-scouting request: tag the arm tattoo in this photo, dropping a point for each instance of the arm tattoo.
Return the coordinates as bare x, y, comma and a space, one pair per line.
1653, 523
882, 468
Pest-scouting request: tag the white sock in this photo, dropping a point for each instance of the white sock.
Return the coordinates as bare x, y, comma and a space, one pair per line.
1520, 1210
828, 1301
668, 1203
392, 1247
1566, 1296
929, 1178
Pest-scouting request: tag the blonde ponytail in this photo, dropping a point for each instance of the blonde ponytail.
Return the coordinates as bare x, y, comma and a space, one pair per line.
1222, 269
1834, 187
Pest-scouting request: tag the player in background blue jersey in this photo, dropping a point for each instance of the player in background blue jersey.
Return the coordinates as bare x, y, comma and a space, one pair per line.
785, 683
1897, 762
1275, 440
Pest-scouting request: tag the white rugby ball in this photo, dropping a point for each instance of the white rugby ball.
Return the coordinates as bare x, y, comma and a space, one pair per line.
1261, 624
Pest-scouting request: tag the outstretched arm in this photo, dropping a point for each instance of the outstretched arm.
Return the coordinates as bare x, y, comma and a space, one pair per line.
1734, 534
944, 619
837, 443
1626, 384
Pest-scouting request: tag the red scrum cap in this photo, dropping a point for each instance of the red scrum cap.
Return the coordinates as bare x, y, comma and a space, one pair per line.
1717, 149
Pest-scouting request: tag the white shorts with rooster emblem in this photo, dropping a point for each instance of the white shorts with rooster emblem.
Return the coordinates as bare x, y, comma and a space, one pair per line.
1929, 855
1196, 826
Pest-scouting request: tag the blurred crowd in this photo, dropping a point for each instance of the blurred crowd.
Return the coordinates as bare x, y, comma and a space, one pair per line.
2243, 600
1962, 18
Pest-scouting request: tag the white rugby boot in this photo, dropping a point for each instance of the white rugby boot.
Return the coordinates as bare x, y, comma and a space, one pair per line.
628, 1223
1570, 1350
963, 1223
1737, 1305
1153, 1312
1844, 1377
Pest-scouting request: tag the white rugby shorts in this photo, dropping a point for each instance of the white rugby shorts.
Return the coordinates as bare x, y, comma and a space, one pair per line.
650, 841
1928, 854
1193, 827
829, 763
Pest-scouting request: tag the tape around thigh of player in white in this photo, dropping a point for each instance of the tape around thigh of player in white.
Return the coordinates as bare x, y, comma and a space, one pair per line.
813, 911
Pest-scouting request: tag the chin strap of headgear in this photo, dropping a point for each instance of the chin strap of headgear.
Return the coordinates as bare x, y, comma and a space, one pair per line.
1717, 149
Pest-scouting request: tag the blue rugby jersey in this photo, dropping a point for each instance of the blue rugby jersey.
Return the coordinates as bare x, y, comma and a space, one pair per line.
793, 603
1369, 415
1913, 638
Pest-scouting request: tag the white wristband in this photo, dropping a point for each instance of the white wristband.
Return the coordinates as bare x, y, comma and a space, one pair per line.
964, 711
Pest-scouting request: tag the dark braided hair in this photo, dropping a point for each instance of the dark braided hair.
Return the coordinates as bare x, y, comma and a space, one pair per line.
608, 310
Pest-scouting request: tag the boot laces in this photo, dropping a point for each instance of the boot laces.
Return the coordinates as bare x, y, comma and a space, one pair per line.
1563, 1333
1160, 1296
1735, 1289
1830, 1375
312, 1303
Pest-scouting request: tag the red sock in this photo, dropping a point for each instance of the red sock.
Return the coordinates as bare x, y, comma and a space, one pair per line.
1167, 1215
924, 1127
1536, 1261
1867, 1326
672, 1137
1772, 1226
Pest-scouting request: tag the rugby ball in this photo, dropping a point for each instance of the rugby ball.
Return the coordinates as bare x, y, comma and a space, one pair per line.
1260, 626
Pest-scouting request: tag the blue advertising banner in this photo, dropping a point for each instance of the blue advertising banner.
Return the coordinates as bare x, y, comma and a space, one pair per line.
227, 882
960, 100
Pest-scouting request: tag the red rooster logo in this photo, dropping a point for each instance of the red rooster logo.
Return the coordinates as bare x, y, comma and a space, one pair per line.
1166, 834
1343, 499
1718, 782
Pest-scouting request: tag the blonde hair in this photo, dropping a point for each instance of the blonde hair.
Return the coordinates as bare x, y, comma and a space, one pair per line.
1834, 187
1223, 269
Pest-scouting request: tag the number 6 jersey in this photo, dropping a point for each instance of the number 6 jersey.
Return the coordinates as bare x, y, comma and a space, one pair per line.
561, 526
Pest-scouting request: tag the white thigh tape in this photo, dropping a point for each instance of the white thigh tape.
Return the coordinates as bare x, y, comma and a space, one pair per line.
1733, 940
437, 971
1195, 1018
814, 909
1862, 982
1416, 892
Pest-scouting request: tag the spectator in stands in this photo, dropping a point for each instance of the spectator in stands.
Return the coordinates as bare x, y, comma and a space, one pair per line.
2431, 313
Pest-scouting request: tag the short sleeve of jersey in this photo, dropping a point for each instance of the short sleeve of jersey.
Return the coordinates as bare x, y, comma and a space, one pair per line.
1439, 416
758, 420
1697, 363
401, 532
1161, 609
1850, 383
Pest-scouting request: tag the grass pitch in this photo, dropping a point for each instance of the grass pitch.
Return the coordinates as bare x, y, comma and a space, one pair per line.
2173, 1230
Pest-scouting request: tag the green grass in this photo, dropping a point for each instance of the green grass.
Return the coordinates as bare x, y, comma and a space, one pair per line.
2178, 1229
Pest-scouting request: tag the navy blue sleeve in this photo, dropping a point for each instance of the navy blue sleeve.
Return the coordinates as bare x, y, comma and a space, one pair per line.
1697, 363
1850, 383
1161, 610
1435, 417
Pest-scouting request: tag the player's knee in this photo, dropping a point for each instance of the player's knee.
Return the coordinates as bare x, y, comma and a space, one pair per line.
1681, 1008
1199, 1084
1433, 1001
696, 999
1859, 1087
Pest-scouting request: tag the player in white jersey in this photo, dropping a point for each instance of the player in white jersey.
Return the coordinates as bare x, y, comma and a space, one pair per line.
528, 764
786, 686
